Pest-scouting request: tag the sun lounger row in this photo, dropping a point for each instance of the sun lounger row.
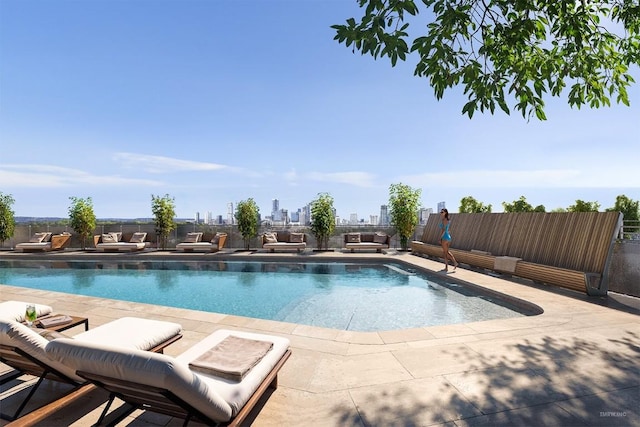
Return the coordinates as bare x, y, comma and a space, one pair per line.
217, 381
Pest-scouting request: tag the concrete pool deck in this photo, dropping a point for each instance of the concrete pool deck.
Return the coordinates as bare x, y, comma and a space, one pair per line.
576, 364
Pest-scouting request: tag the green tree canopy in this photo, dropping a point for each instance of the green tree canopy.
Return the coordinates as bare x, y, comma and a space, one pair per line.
82, 218
582, 206
630, 208
508, 52
323, 219
7, 217
471, 205
248, 218
164, 212
521, 205
404, 203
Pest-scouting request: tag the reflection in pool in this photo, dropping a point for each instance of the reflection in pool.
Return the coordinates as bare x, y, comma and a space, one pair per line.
346, 296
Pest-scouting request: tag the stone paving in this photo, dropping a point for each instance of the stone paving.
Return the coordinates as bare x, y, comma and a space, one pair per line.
576, 364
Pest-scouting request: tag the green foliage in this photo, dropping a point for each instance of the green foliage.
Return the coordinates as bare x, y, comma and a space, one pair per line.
82, 218
504, 50
471, 205
521, 205
404, 203
323, 219
630, 208
582, 206
164, 212
248, 218
7, 217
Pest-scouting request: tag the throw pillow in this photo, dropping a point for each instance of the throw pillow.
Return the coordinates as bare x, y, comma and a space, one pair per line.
109, 238
138, 238
38, 237
380, 238
193, 237
270, 238
353, 238
296, 238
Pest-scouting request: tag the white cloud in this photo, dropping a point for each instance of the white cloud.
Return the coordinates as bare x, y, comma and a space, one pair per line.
47, 176
160, 164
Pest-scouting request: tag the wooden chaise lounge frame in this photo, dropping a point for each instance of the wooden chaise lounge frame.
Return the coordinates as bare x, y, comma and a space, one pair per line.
165, 402
570, 249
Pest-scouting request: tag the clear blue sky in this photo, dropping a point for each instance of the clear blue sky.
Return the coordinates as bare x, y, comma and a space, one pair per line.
214, 102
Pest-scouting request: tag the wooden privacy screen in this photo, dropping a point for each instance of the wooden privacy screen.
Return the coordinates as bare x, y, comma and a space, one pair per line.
580, 241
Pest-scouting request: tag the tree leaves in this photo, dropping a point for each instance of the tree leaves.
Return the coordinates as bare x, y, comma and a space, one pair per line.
508, 52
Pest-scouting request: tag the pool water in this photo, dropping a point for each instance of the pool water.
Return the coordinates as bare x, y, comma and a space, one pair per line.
353, 297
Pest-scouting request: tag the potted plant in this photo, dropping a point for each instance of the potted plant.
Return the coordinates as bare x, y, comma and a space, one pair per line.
404, 203
248, 217
164, 211
82, 218
323, 219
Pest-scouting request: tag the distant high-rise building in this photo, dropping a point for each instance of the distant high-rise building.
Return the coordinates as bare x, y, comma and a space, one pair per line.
209, 219
353, 218
275, 209
197, 218
295, 216
230, 213
373, 219
384, 215
219, 220
423, 215
441, 205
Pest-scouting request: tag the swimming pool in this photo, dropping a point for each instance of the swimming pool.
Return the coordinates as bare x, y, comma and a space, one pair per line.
347, 296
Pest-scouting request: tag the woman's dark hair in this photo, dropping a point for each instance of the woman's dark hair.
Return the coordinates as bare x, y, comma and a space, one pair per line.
446, 213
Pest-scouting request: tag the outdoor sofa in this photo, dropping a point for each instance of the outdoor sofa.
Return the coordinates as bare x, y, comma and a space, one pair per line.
45, 242
284, 240
361, 241
202, 242
116, 242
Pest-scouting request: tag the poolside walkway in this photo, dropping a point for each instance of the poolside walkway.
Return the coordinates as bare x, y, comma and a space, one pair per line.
577, 364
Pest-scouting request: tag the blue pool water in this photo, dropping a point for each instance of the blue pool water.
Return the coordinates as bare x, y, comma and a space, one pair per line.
355, 297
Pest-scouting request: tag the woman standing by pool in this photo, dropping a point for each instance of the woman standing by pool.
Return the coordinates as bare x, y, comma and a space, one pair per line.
445, 240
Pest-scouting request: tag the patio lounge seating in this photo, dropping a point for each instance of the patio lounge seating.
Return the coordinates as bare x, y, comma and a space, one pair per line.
23, 348
45, 242
284, 240
168, 385
195, 242
15, 310
116, 242
361, 241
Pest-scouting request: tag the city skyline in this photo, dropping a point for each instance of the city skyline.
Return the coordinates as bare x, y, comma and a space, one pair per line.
119, 104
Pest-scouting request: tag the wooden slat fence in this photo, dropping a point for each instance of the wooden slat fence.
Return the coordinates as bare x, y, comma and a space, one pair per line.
578, 241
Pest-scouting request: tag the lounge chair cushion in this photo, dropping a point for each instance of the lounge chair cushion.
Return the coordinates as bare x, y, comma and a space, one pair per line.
296, 238
270, 238
125, 333
143, 367
109, 238
15, 310
138, 238
353, 238
40, 237
193, 238
216, 238
218, 398
379, 237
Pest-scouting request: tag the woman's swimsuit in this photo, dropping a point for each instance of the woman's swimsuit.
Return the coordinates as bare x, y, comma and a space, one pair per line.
446, 236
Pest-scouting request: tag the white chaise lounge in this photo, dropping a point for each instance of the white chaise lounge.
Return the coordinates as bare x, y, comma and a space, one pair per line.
15, 310
23, 348
164, 384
